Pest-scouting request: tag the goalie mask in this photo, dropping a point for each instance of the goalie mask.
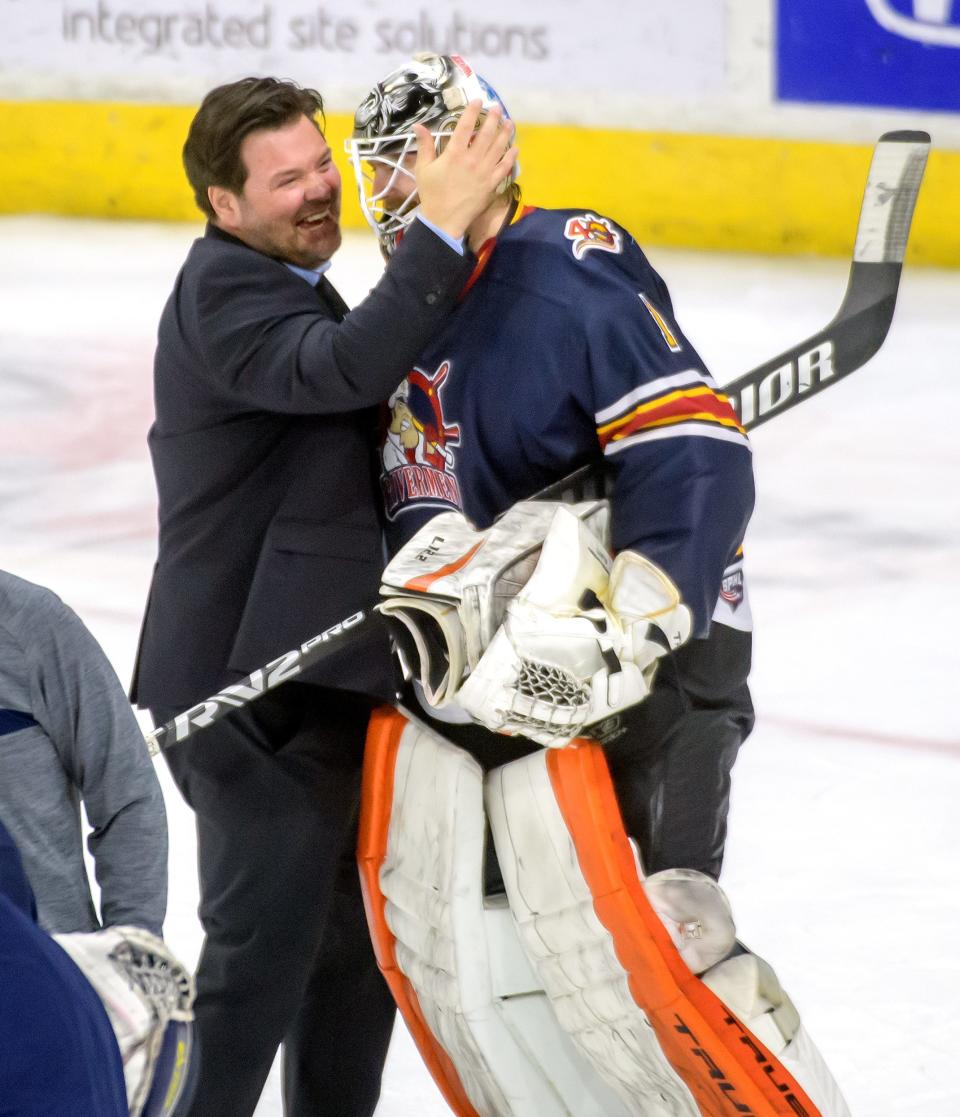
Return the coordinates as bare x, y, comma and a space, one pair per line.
431, 89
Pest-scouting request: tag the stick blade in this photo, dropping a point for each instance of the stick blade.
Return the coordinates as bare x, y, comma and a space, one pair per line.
861, 324
889, 198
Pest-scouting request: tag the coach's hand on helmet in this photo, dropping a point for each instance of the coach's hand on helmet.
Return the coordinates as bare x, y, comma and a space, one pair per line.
457, 185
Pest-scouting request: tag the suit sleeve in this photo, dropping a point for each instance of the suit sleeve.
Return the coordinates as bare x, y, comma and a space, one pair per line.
266, 340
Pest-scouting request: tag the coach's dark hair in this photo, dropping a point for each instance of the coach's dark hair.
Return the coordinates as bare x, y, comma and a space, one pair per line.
227, 115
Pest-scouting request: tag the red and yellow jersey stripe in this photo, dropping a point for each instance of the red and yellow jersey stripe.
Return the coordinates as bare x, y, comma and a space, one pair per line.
683, 404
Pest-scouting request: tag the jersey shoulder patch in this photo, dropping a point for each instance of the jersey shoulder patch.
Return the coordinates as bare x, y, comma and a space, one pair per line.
587, 231
573, 233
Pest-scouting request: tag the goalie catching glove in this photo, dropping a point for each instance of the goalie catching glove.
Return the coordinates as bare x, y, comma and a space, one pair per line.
530, 626
148, 995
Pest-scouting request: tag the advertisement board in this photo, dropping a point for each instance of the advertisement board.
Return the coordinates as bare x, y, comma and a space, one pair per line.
558, 60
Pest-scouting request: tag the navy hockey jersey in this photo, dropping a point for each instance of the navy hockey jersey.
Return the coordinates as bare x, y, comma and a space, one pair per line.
563, 351
59, 1054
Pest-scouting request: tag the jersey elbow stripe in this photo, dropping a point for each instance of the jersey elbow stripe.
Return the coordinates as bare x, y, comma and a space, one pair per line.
679, 430
692, 405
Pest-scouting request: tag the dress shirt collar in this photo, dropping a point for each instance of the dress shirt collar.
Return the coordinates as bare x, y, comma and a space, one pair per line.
311, 275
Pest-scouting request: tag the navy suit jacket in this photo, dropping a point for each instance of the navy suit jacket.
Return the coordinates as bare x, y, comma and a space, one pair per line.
262, 450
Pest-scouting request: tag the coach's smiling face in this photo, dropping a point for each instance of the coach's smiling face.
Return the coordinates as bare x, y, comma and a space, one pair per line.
289, 206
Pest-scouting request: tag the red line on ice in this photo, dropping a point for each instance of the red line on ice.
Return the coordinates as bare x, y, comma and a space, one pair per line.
925, 744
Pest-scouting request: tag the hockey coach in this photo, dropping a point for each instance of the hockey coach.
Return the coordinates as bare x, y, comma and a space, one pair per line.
261, 448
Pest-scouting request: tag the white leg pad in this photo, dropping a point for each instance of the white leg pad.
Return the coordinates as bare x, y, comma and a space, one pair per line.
696, 913
572, 951
748, 986
577, 996
477, 992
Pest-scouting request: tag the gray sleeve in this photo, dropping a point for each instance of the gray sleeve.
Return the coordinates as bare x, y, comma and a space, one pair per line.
80, 703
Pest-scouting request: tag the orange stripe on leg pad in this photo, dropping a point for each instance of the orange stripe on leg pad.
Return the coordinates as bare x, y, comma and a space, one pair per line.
383, 741
727, 1070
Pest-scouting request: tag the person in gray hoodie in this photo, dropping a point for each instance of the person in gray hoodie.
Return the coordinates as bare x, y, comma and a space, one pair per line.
68, 735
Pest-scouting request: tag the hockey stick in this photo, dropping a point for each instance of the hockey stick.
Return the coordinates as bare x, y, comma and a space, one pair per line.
853, 336
860, 325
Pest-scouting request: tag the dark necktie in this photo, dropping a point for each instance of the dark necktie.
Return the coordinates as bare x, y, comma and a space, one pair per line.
327, 294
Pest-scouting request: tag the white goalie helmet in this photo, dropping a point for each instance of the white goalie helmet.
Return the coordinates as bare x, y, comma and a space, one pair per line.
430, 89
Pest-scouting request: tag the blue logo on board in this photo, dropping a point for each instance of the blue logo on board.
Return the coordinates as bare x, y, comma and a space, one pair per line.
925, 21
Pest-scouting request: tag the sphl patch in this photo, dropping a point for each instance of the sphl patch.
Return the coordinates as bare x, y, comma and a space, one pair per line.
731, 589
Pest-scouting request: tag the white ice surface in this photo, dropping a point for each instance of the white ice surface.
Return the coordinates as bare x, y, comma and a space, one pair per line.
842, 862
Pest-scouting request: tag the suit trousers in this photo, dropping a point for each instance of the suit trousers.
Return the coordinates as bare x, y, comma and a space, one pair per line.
286, 958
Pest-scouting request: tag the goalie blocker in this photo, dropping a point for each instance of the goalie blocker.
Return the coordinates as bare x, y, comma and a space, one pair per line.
585, 990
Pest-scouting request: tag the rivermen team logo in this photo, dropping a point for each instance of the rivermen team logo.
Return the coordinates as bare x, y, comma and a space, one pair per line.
589, 231
417, 452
